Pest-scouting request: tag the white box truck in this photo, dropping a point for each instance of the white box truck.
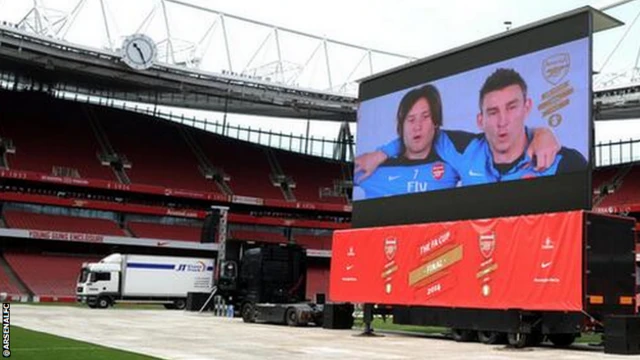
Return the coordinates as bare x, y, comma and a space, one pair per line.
143, 279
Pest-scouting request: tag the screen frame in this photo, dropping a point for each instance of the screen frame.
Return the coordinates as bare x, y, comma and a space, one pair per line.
562, 192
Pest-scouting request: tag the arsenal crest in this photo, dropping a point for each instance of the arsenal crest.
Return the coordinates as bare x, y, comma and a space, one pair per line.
437, 171
556, 67
390, 247
487, 244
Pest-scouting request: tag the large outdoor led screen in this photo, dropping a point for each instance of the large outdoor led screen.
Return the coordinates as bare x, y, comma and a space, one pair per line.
484, 137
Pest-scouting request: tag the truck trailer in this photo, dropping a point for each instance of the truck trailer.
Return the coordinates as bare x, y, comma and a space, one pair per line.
143, 279
267, 283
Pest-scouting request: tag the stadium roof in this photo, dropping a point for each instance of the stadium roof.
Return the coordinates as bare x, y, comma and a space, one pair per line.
75, 68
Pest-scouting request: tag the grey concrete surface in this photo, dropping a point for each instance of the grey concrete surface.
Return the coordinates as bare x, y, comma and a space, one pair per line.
185, 335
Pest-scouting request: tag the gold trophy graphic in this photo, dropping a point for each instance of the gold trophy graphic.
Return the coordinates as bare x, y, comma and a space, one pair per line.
390, 248
437, 256
554, 69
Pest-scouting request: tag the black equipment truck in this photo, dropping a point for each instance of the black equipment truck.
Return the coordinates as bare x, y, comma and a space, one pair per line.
267, 283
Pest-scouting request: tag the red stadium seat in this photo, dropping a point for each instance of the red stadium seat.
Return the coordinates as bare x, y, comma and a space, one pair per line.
628, 193
33, 221
162, 231
48, 275
7, 286
48, 133
310, 174
157, 152
245, 163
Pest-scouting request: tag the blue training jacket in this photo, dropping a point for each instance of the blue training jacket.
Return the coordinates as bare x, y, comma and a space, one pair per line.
399, 176
469, 154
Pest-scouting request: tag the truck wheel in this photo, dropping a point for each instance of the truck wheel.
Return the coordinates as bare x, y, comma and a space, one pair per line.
92, 306
460, 335
169, 306
179, 304
103, 302
518, 340
562, 340
248, 313
492, 337
291, 317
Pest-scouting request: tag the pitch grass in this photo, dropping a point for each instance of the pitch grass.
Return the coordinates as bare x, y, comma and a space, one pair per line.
28, 344
379, 324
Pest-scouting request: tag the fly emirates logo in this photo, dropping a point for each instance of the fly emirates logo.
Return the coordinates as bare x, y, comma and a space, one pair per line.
416, 186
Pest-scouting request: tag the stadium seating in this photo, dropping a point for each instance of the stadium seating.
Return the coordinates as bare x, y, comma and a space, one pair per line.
602, 176
309, 179
162, 231
33, 221
51, 133
308, 183
157, 152
629, 191
61, 272
245, 163
156, 149
7, 286
314, 242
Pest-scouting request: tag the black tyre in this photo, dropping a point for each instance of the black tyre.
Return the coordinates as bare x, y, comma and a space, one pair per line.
518, 340
291, 317
248, 313
103, 302
562, 340
169, 306
492, 337
319, 320
92, 306
180, 304
460, 335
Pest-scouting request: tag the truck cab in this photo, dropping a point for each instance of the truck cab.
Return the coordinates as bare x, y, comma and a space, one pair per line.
98, 283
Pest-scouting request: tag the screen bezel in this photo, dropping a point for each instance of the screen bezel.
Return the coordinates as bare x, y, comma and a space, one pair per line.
563, 192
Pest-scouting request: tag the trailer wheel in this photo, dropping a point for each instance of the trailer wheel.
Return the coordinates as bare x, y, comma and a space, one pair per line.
180, 304
518, 340
460, 335
562, 340
248, 313
103, 302
169, 306
492, 337
291, 317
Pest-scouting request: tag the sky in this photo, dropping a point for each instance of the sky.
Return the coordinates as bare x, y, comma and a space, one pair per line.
416, 28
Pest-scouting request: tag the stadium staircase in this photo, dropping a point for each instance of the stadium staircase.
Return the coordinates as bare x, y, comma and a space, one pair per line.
107, 155
279, 178
61, 272
10, 283
207, 169
612, 191
6, 147
625, 188
317, 185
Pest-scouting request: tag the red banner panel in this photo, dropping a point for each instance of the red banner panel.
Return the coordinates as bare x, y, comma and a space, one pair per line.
531, 262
